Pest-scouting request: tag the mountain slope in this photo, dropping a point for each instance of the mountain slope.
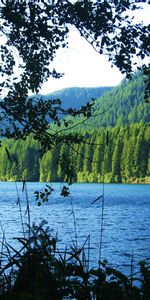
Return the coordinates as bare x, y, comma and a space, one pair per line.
123, 105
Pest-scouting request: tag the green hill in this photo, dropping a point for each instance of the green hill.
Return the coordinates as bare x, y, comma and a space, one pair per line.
115, 144
122, 105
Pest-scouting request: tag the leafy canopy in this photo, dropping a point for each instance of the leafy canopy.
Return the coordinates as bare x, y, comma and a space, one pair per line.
36, 30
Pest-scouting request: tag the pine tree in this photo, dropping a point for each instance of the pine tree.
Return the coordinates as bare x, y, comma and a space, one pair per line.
116, 158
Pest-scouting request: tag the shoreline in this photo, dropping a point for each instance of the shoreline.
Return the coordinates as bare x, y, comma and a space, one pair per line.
136, 181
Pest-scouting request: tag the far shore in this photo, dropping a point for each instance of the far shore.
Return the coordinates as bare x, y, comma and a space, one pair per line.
145, 180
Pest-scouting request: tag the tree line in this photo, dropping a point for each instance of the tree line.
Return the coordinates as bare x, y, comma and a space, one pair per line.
119, 154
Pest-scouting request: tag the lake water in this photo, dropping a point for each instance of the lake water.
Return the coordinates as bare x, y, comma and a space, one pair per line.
126, 228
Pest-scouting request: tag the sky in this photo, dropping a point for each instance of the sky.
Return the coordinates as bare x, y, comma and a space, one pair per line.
83, 66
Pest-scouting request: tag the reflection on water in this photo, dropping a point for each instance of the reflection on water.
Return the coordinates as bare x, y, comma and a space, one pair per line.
126, 218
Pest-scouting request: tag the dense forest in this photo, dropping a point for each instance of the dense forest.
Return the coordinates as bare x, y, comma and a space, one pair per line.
118, 151
119, 154
122, 105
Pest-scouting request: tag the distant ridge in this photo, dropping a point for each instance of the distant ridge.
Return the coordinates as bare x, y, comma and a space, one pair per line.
75, 97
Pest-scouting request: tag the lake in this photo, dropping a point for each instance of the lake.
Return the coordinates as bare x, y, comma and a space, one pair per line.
126, 226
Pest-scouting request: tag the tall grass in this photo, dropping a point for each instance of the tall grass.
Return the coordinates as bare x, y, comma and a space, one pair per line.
40, 271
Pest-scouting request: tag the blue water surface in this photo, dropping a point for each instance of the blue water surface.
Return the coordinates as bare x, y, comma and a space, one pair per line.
126, 218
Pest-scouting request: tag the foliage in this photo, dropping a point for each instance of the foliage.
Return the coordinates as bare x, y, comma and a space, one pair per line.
40, 271
36, 30
42, 196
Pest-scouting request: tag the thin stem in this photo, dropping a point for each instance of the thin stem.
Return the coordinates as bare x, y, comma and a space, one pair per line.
75, 224
132, 268
20, 209
102, 224
28, 207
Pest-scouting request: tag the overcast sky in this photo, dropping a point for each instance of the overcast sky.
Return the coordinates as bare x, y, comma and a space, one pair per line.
83, 67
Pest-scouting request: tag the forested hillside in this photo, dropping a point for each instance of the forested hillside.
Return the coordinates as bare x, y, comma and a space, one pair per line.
115, 147
123, 105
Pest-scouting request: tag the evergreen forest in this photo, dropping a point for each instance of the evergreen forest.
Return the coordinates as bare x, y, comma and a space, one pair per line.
115, 145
